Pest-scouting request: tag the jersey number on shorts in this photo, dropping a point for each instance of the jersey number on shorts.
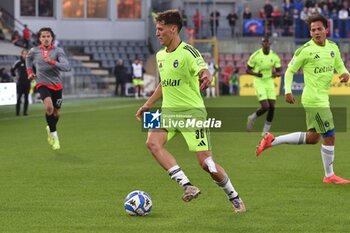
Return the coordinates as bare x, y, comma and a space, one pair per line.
58, 102
199, 133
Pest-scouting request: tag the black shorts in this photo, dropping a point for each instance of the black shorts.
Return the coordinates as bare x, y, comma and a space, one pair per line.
56, 96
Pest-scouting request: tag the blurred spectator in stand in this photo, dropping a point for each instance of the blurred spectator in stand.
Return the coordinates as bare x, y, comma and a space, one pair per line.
261, 14
198, 21
276, 17
287, 24
247, 14
304, 14
325, 12
334, 16
214, 22
16, 39
336, 34
288, 6
321, 3
332, 5
343, 15
297, 23
298, 4
26, 36
268, 8
4, 76
317, 9
231, 18
120, 78
310, 3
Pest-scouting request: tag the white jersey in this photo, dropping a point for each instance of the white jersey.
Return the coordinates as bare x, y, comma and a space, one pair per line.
136, 70
211, 68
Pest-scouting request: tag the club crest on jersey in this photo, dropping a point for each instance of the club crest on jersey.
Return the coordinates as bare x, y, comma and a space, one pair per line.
176, 63
160, 65
326, 123
332, 53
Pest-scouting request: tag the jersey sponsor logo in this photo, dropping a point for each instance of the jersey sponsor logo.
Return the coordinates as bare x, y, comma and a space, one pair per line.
319, 70
176, 63
192, 50
171, 82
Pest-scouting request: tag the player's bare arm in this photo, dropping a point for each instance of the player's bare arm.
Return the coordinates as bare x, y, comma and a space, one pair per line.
251, 72
277, 72
344, 78
205, 79
150, 102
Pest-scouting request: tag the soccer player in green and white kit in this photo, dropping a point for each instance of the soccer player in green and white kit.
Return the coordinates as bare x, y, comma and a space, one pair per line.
265, 65
183, 73
319, 58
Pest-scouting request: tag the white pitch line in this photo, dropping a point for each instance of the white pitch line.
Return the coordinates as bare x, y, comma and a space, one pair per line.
77, 111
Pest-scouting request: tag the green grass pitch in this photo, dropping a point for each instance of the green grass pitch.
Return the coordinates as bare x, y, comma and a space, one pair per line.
81, 188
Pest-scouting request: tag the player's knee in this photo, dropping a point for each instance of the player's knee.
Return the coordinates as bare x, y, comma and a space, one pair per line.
265, 107
153, 146
313, 138
49, 109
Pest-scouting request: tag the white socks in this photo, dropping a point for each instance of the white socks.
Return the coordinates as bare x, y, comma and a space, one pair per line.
292, 138
228, 188
327, 153
178, 175
54, 135
253, 116
267, 127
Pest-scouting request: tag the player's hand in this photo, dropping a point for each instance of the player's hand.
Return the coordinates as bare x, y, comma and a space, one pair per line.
290, 98
140, 112
204, 82
32, 76
344, 78
275, 74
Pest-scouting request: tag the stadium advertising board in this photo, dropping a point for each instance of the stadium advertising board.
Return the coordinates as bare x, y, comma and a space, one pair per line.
338, 88
253, 27
246, 86
297, 86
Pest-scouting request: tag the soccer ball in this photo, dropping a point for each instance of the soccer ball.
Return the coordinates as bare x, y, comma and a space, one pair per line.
138, 203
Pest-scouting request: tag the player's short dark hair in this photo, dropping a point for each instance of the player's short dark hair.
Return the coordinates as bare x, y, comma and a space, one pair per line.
46, 29
317, 17
173, 17
267, 38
